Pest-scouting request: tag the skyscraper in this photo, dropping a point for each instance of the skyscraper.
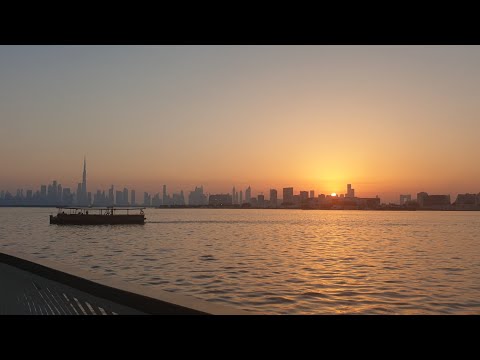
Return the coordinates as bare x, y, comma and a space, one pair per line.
132, 197
303, 196
350, 191
111, 199
233, 195
288, 195
273, 198
261, 201
164, 197
84, 182
248, 195
241, 197
197, 197
118, 197
79, 194
125, 196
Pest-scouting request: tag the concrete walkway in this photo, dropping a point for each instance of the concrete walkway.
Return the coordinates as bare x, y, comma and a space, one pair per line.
24, 293
34, 286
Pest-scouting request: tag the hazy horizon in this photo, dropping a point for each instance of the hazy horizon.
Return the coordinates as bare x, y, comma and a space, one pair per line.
387, 119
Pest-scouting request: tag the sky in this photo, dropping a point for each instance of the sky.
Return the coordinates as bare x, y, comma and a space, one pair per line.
389, 120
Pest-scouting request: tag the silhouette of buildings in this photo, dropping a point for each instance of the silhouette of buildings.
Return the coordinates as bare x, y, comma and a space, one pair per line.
147, 200
303, 197
467, 202
55, 194
132, 197
197, 197
111, 199
166, 198
350, 191
248, 195
273, 198
261, 201
433, 202
156, 201
220, 200
178, 199
405, 198
288, 196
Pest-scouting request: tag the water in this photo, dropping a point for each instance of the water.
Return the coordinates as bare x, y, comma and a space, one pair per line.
277, 261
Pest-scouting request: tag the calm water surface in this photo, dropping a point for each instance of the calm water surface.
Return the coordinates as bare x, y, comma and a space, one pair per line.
277, 261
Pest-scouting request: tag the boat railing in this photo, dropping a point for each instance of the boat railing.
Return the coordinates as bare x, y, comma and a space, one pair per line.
109, 210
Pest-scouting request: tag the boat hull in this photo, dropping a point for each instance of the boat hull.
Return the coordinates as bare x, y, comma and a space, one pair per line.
78, 219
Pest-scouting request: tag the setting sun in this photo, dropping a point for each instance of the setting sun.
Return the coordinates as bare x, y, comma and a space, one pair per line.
334, 194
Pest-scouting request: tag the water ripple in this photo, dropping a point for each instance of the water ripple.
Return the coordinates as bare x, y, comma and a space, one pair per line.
277, 261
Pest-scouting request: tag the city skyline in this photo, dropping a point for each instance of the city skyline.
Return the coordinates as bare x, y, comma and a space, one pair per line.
390, 119
55, 194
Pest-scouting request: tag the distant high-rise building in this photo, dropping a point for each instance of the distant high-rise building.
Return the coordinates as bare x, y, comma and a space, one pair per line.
132, 197
156, 201
146, 199
233, 195
466, 202
248, 195
67, 196
312, 194
220, 200
197, 197
84, 196
288, 195
421, 196
52, 192
405, 198
178, 199
303, 197
273, 198
241, 198
111, 199
59, 194
79, 194
118, 197
440, 202
165, 197
261, 201
43, 192
350, 192
125, 196
182, 198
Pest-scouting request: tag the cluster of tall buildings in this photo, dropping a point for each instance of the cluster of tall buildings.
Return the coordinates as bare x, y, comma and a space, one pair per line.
54, 194
425, 201
304, 199
165, 199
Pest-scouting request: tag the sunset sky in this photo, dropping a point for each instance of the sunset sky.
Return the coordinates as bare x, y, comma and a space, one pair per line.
388, 119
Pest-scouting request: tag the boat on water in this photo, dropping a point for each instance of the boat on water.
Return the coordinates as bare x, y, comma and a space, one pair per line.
98, 216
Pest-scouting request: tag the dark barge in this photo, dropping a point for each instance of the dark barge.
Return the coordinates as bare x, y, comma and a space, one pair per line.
98, 216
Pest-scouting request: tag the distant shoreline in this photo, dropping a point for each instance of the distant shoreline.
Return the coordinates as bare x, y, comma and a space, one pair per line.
246, 208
